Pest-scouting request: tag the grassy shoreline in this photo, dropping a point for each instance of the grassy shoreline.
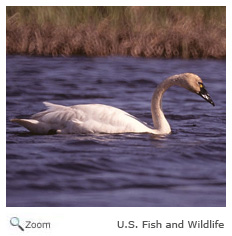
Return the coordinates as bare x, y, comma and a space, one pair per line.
161, 32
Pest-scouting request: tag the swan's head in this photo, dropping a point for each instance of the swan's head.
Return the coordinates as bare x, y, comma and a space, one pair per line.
194, 84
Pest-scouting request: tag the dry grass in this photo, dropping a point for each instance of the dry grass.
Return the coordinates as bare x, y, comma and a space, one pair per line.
182, 32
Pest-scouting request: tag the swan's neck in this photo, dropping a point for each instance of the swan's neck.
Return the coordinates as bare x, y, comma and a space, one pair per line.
160, 122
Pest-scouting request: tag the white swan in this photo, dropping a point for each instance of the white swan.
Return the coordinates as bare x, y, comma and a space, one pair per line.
97, 118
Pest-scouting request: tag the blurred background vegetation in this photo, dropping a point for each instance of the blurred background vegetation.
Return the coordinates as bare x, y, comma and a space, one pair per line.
163, 32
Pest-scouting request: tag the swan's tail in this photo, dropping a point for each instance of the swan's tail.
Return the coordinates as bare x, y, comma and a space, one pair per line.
33, 126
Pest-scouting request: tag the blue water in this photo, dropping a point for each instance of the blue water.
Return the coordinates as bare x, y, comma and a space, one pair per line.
185, 168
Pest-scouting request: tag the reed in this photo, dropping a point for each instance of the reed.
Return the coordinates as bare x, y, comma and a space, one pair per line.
181, 32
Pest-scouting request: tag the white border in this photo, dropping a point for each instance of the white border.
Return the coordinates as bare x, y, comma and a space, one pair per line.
102, 221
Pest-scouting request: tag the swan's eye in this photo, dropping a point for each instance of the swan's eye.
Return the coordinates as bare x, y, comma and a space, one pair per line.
201, 85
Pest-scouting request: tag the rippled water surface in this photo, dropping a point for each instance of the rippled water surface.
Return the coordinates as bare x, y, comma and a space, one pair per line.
185, 168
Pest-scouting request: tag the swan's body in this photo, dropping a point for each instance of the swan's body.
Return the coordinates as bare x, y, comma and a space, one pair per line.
97, 118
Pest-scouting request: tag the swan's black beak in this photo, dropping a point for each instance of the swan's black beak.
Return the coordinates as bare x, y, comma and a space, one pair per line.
203, 93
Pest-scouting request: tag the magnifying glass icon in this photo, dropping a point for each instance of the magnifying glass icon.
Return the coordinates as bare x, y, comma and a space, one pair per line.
14, 221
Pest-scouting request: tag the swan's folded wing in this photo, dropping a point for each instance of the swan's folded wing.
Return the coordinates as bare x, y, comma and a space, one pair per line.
52, 106
58, 114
